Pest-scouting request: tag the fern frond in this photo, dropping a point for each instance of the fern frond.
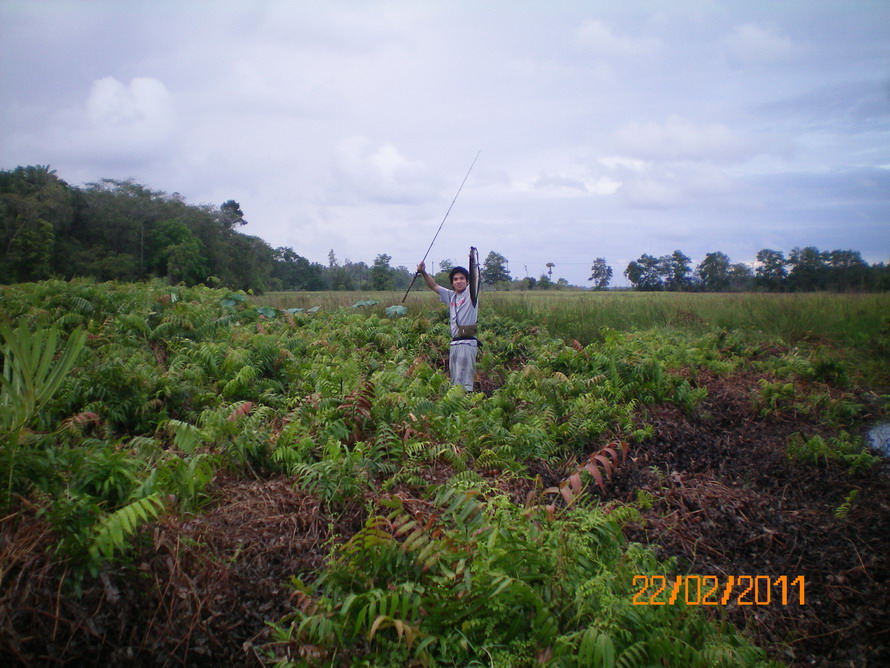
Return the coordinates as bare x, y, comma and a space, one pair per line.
186, 436
111, 533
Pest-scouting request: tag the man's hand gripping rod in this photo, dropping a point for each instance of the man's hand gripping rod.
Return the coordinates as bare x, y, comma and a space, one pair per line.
441, 224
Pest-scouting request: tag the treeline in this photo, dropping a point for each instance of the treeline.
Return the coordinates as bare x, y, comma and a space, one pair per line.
804, 270
124, 231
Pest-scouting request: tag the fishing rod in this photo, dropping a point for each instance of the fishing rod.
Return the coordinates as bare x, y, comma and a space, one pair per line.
416, 274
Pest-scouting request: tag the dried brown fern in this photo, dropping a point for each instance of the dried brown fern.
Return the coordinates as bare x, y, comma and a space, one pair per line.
605, 460
356, 409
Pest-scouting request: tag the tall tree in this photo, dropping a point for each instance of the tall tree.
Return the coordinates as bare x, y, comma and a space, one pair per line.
494, 269
809, 269
445, 267
713, 272
676, 271
645, 273
770, 273
255, 259
741, 278
230, 214
527, 283
28, 253
175, 252
600, 274
359, 273
847, 270
37, 210
337, 276
402, 277
381, 273
186, 262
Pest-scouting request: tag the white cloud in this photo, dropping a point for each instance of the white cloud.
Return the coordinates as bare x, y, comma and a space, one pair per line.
622, 162
651, 193
143, 104
750, 44
680, 139
379, 172
597, 37
570, 185
683, 185
124, 123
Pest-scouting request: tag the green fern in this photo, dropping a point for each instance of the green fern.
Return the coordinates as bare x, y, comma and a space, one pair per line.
112, 533
187, 437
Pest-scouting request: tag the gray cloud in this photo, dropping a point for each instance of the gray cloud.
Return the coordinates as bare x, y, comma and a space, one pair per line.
606, 130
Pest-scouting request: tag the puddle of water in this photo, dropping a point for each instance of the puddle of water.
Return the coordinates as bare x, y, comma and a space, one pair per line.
879, 438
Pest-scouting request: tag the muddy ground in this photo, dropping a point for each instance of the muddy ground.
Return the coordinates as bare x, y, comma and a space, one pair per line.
725, 501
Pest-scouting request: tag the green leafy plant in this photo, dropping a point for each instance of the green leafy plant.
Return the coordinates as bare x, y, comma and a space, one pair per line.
844, 509
114, 531
31, 376
843, 448
772, 396
457, 581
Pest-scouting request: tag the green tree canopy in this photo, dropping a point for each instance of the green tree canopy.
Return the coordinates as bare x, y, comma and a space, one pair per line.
741, 277
294, 272
494, 269
645, 273
770, 273
847, 270
676, 270
713, 272
382, 274
230, 214
29, 251
600, 274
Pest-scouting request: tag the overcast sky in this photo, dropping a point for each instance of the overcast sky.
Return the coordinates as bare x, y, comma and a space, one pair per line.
604, 129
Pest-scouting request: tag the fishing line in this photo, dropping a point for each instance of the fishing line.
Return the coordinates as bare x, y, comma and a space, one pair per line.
442, 224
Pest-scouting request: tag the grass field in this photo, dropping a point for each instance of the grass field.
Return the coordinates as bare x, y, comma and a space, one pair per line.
855, 326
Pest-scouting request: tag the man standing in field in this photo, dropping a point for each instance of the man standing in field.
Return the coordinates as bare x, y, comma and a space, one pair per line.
462, 315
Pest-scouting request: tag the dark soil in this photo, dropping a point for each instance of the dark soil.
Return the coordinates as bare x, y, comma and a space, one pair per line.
725, 501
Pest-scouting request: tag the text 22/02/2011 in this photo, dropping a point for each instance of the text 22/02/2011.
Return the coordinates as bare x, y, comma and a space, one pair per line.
709, 590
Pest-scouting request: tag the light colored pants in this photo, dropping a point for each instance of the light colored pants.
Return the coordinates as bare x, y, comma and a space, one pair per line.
462, 364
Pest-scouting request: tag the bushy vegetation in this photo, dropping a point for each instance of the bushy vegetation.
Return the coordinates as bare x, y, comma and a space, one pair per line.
124, 401
471, 582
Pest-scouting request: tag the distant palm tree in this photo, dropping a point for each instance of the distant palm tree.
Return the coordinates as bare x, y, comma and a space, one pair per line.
550, 266
39, 175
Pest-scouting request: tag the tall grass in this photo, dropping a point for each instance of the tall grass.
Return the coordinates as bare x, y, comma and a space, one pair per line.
854, 327
854, 320
845, 319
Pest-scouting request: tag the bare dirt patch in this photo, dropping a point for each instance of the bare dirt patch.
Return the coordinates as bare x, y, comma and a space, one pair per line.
726, 500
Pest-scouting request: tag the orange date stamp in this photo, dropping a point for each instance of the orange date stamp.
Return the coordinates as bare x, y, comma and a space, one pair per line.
714, 590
